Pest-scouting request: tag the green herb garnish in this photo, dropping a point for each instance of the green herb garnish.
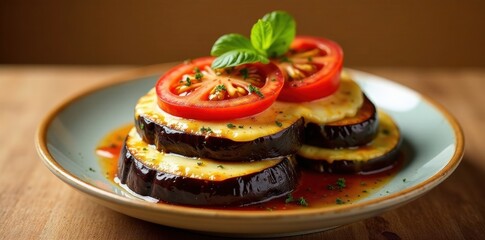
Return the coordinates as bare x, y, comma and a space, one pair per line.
289, 198
187, 81
302, 202
341, 183
198, 76
253, 89
270, 37
279, 124
220, 88
205, 129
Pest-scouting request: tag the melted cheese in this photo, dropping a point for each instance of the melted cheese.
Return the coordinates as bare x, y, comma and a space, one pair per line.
343, 103
197, 168
388, 138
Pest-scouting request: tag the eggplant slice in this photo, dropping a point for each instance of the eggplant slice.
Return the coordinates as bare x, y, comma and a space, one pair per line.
196, 181
381, 152
270, 134
348, 132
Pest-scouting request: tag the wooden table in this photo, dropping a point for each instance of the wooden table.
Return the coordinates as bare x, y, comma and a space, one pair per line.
35, 204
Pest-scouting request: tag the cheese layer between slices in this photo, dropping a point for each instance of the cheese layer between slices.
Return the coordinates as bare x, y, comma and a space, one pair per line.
197, 168
388, 138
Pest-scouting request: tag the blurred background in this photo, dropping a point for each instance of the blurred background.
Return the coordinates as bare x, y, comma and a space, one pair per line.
433, 33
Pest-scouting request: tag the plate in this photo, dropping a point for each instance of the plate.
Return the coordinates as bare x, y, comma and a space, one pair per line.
67, 138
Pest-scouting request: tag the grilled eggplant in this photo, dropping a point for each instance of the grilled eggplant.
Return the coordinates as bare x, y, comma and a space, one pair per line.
348, 132
196, 181
381, 152
270, 134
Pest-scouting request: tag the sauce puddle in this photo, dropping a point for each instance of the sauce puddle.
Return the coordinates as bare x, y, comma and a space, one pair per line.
315, 190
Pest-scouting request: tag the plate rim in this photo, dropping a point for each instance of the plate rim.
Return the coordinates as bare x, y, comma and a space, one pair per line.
328, 211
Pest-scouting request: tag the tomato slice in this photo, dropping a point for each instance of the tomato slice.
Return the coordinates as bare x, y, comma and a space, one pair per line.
312, 69
194, 90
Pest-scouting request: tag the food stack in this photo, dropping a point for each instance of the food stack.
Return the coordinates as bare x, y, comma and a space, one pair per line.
238, 129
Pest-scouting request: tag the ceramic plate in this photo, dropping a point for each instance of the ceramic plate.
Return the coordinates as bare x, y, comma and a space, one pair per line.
67, 138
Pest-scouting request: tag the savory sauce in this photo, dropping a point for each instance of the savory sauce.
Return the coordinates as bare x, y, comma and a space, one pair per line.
314, 190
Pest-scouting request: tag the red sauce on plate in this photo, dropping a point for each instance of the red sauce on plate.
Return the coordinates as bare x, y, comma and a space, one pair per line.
314, 190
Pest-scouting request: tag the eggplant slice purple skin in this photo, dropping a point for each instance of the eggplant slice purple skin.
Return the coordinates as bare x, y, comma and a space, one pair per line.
348, 132
169, 140
349, 166
276, 181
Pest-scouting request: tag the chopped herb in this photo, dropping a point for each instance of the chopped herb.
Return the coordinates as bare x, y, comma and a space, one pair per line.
205, 130
187, 81
196, 70
253, 89
310, 59
244, 72
145, 149
302, 202
273, 79
92, 170
230, 125
240, 126
142, 126
339, 201
220, 166
199, 163
365, 191
199, 76
403, 180
289, 198
341, 183
279, 124
220, 88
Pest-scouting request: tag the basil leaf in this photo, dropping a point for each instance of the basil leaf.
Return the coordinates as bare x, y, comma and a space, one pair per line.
283, 30
238, 57
271, 36
230, 42
262, 36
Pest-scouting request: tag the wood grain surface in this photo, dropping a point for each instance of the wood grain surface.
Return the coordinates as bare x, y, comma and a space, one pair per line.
34, 204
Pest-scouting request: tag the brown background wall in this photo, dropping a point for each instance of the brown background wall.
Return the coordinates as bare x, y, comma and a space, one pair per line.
433, 33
